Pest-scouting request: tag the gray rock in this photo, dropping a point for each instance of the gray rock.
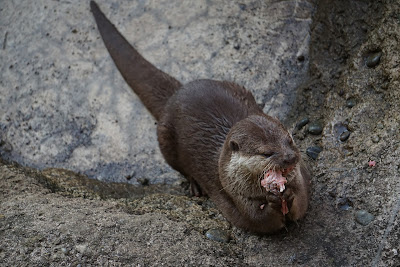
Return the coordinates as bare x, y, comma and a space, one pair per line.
64, 104
344, 136
351, 102
315, 128
363, 217
303, 122
373, 59
313, 151
218, 235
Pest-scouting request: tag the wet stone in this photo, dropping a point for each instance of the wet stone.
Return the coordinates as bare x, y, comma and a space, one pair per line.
344, 204
315, 128
313, 151
302, 123
363, 217
242, 6
300, 58
218, 235
373, 59
345, 207
348, 153
351, 102
344, 136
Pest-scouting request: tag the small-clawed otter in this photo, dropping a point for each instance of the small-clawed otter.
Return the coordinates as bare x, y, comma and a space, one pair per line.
214, 133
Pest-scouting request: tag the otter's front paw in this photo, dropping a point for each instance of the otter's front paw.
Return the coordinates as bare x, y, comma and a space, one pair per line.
281, 202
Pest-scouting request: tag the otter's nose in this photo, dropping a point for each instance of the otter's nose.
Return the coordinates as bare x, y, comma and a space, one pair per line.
289, 159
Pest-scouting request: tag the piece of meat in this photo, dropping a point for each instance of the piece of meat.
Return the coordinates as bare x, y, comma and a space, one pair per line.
274, 181
284, 208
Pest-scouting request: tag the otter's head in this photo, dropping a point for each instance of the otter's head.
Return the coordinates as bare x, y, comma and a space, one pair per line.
254, 146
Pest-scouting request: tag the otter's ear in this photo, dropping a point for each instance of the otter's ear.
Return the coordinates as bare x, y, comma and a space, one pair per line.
234, 146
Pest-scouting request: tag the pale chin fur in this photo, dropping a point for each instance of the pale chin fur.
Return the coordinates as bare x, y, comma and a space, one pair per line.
244, 171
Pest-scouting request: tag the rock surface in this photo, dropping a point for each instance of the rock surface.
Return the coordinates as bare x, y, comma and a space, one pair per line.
57, 217
64, 104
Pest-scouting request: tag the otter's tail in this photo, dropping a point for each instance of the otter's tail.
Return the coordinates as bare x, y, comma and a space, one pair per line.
153, 86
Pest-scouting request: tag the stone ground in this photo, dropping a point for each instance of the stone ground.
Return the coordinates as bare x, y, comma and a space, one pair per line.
346, 79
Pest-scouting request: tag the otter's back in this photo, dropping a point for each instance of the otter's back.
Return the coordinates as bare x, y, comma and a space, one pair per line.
196, 121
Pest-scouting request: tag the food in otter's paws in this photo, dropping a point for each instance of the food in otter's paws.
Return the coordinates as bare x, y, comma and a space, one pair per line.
274, 181
284, 208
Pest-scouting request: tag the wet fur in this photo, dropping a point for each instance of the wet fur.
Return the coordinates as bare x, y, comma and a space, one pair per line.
214, 133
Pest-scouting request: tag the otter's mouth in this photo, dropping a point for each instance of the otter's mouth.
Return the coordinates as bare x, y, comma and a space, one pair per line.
274, 180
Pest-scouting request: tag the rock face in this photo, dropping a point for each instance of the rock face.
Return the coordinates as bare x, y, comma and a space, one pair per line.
64, 104
56, 216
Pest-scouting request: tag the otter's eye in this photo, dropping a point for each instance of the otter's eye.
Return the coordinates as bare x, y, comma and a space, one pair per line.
268, 154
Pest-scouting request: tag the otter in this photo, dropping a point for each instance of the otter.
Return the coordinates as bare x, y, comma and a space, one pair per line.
215, 134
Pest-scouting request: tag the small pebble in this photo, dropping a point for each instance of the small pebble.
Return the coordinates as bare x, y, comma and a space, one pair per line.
64, 250
345, 207
313, 151
302, 123
344, 136
218, 235
375, 138
344, 204
300, 58
373, 59
242, 6
379, 125
351, 102
348, 153
395, 252
315, 128
363, 217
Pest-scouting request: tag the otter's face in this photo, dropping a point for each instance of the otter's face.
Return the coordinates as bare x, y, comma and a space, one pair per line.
253, 147
256, 145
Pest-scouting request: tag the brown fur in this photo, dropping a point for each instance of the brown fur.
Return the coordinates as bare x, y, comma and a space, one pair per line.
215, 134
